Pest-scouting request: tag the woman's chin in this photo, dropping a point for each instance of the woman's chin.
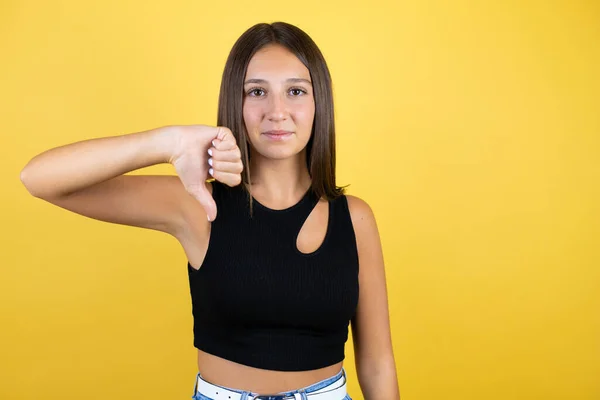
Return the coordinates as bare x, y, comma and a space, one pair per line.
281, 153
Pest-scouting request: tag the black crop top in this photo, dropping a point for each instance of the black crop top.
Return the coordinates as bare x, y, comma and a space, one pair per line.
258, 301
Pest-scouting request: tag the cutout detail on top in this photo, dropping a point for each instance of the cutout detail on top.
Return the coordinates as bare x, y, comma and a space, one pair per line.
313, 231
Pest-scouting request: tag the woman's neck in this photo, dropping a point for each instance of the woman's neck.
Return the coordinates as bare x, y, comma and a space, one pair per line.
279, 182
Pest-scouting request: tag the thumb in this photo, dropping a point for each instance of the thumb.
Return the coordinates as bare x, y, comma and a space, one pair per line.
201, 193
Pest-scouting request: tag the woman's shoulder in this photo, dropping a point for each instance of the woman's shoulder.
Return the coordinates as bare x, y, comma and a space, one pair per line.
361, 213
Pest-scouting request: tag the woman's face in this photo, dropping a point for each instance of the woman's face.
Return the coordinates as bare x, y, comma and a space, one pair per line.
279, 106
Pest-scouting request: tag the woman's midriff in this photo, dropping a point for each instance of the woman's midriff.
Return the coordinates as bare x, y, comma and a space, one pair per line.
219, 371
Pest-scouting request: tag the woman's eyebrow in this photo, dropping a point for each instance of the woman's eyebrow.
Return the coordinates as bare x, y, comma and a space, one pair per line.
292, 80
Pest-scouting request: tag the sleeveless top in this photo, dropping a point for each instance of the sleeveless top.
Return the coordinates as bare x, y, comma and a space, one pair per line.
259, 301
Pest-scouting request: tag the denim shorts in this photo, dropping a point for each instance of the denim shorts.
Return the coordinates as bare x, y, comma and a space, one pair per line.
325, 383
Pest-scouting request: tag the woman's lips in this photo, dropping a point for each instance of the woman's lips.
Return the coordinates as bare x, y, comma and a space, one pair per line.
278, 135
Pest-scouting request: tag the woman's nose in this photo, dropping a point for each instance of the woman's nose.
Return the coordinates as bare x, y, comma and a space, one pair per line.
277, 109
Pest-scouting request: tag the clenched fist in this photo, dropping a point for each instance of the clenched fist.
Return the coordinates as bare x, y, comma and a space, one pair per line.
201, 152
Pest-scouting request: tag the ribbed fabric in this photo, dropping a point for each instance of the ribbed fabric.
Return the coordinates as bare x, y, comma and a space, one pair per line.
257, 300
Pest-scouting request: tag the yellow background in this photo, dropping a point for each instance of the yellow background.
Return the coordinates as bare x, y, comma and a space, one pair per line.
471, 128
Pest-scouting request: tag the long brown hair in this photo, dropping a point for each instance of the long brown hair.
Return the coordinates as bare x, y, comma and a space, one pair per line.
320, 150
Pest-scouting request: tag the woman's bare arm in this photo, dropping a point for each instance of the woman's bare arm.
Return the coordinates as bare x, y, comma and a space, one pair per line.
64, 170
88, 178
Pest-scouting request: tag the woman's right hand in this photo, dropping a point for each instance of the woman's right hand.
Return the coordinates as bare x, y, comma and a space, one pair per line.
202, 152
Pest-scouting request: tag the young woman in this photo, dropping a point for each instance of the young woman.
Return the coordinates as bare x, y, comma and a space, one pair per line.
281, 261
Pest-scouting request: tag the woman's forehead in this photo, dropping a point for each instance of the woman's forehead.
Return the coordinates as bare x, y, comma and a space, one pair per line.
276, 63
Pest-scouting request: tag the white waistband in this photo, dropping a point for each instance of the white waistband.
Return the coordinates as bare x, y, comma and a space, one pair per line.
334, 391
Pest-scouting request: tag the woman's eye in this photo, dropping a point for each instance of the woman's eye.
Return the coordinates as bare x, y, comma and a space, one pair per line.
297, 92
253, 92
